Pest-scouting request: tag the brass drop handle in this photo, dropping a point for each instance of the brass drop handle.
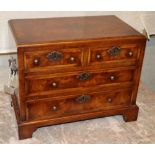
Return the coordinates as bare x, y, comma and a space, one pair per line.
54, 56
130, 53
114, 51
36, 61
83, 98
84, 76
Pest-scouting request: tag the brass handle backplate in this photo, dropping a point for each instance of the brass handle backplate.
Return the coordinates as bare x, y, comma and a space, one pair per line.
114, 51
54, 56
84, 76
83, 98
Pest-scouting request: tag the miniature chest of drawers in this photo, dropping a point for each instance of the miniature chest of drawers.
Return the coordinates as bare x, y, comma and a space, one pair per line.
75, 68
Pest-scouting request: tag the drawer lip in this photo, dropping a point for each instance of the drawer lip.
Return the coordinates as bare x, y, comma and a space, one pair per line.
70, 107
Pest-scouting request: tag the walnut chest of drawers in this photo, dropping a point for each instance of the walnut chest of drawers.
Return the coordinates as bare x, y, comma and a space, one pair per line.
75, 68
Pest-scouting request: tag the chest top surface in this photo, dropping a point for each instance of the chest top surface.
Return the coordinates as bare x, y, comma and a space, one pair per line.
64, 29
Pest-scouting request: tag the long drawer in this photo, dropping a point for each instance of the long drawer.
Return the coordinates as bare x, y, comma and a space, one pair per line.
81, 103
57, 82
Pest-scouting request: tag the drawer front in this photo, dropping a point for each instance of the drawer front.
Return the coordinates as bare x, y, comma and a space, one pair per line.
53, 59
113, 54
79, 104
55, 83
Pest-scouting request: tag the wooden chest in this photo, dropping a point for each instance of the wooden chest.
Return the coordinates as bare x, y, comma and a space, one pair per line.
75, 68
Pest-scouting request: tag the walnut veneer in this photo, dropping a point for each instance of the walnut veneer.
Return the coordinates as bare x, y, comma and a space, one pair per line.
75, 68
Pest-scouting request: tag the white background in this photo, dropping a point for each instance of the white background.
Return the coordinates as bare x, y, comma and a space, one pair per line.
72, 5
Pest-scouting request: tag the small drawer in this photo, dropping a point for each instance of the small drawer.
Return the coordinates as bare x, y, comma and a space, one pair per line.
82, 103
114, 55
55, 83
53, 59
